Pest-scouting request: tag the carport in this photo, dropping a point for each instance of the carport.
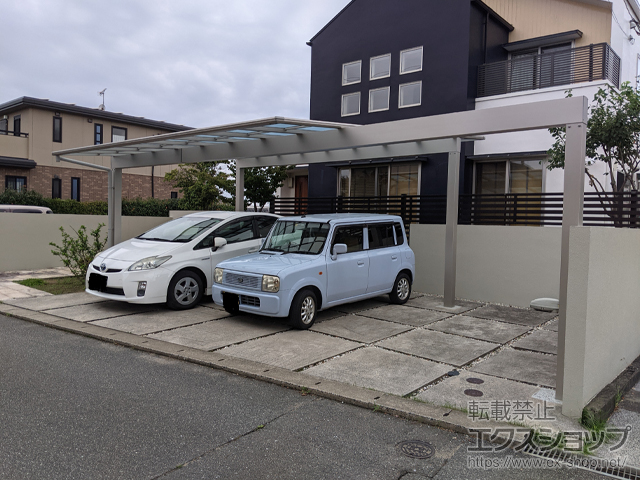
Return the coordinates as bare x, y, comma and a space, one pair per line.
281, 141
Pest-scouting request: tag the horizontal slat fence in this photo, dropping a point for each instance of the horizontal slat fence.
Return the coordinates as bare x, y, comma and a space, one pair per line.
620, 210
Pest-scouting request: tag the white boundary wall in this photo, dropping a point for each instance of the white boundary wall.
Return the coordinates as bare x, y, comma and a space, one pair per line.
511, 265
25, 237
603, 311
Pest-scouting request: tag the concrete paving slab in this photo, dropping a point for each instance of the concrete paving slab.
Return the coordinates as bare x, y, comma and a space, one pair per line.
520, 365
552, 325
438, 346
159, 321
10, 290
43, 273
221, 333
480, 328
437, 303
328, 315
56, 301
416, 317
521, 316
545, 341
359, 328
358, 307
293, 350
381, 370
100, 310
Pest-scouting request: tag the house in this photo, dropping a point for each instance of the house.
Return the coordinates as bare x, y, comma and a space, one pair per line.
379, 61
31, 129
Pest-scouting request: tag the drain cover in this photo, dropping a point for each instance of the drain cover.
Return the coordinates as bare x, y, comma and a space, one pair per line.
416, 449
453, 373
477, 381
473, 393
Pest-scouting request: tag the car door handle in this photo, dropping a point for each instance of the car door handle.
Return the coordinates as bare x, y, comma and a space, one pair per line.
394, 257
360, 262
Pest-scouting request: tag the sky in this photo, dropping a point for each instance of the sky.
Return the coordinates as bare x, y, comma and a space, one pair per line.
192, 62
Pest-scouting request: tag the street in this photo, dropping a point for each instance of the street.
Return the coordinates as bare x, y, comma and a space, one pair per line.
76, 408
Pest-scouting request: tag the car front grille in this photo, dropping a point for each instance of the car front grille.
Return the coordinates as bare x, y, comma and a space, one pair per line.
243, 281
250, 301
108, 270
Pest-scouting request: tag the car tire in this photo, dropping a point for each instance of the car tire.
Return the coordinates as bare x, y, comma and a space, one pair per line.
304, 309
231, 303
401, 289
185, 290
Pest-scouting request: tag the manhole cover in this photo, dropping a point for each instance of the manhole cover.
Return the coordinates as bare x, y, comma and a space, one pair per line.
473, 393
416, 449
453, 373
477, 381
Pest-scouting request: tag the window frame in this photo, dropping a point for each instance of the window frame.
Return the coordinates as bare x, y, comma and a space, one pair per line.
362, 226
342, 114
126, 133
419, 82
57, 119
381, 224
17, 120
237, 220
388, 89
421, 48
14, 177
344, 79
507, 187
55, 181
96, 134
371, 60
5, 122
78, 188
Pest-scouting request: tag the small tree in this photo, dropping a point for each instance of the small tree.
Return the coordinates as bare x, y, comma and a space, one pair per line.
260, 183
613, 138
201, 184
77, 253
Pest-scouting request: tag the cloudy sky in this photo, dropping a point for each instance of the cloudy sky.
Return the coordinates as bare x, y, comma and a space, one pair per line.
191, 62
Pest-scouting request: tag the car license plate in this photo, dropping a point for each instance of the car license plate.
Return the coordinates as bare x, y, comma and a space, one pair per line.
97, 282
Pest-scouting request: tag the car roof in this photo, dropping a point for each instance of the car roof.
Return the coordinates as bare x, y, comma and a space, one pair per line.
344, 217
225, 214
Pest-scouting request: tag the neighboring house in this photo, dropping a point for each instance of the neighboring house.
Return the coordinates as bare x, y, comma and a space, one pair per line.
31, 129
379, 61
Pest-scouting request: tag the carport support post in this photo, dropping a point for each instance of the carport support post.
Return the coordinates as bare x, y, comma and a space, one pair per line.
574, 158
239, 189
451, 239
114, 200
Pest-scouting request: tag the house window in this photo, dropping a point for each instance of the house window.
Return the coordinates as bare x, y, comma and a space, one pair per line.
118, 134
12, 182
382, 181
57, 129
174, 194
351, 104
4, 126
98, 136
16, 125
404, 179
379, 99
351, 72
411, 60
514, 176
75, 188
56, 188
410, 95
380, 67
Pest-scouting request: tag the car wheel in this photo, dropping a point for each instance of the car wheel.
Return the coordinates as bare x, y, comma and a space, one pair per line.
185, 290
401, 289
303, 309
231, 303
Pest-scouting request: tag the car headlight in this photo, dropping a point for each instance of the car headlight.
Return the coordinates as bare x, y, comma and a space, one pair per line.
149, 263
270, 283
217, 275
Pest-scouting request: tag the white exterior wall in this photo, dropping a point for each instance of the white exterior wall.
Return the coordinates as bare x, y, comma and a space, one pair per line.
25, 237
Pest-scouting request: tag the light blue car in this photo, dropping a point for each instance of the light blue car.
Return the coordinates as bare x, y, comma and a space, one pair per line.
313, 262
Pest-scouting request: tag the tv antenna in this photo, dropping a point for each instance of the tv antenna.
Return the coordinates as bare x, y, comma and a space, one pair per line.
101, 93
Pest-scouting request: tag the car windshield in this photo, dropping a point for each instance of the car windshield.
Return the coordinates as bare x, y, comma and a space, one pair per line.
297, 237
181, 230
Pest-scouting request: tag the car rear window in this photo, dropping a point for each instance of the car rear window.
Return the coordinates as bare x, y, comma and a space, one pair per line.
399, 235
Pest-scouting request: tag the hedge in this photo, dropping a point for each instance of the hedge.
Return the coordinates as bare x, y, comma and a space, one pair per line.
149, 207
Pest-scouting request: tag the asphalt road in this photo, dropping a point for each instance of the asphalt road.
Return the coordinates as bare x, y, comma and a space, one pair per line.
77, 408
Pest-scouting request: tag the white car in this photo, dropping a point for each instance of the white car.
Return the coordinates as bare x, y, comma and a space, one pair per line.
174, 262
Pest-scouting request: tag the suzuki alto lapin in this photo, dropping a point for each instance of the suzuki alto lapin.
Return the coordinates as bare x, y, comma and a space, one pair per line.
313, 262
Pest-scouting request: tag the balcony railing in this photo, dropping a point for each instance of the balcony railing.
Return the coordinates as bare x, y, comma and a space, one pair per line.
14, 134
564, 67
620, 210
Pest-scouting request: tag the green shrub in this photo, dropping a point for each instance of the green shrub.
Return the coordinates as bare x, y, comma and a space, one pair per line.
77, 253
148, 207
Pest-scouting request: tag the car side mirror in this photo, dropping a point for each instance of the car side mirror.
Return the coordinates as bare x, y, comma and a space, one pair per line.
338, 249
218, 242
